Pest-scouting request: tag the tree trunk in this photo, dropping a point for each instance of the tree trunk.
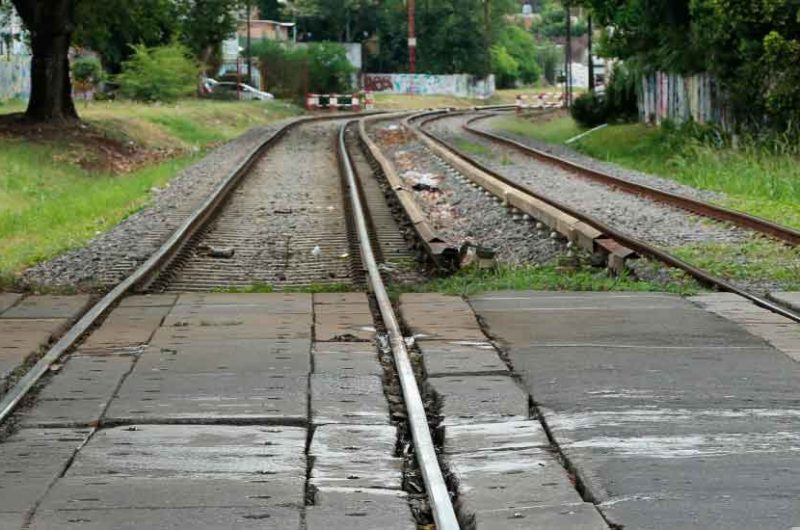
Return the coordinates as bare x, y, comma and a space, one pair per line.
51, 24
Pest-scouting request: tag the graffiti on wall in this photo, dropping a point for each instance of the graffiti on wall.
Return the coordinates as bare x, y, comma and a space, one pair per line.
15, 77
428, 85
681, 98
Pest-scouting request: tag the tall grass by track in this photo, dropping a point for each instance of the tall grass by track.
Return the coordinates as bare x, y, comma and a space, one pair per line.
756, 181
49, 204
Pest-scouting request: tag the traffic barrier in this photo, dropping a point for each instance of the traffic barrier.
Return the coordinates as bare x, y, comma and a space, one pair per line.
349, 102
544, 100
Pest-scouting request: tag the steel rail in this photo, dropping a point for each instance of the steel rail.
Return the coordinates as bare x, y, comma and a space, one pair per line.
196, 220
438, 495
713, 211
642, 247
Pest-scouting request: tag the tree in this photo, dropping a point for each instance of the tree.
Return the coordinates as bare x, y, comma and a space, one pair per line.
206, 23
51, 23
110, 27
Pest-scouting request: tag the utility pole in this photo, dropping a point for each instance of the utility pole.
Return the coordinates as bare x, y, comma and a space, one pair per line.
249, 61
487, 37
412, 38
591, 55
568, 58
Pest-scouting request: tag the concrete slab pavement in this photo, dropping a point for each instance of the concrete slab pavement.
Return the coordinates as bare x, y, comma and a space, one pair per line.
787, 298
672, 416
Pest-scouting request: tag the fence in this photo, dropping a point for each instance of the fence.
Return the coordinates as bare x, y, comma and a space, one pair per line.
15, 77
461, 85
680, 98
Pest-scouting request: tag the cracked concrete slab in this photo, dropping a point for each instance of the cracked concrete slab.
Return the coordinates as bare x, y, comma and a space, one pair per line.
355, 456
31, 460
228, 491
502, 436
280, 356
49, 306
186, 451
169, 519
211, 397
672, 416
345, 508
480, 399
448, 358
355, 358
351, 399
79, 393
7, 300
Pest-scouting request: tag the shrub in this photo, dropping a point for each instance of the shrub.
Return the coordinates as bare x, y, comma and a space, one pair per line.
504, 66
289, 71
590, 110
620, 96
618, 103
162, 73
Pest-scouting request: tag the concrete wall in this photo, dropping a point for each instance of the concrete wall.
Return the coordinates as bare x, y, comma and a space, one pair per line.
15, 77
460, 85
680, 98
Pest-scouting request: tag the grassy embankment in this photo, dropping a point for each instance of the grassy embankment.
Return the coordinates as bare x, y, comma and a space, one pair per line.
59, 189
753, 180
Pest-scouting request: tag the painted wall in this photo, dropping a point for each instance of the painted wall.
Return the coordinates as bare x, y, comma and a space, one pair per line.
680, 98
15, 77
460, 85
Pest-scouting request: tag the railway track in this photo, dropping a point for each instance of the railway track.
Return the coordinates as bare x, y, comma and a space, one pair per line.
586, 230
337, 227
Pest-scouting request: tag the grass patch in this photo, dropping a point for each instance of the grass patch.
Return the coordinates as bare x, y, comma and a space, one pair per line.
755, 181
52, 201
543, 278
555, 131
758, 260
473, 148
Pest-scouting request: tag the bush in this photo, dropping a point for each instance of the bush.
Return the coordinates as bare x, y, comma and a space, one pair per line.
289, 71
621, 100
505, 67
590, 110
87, 71
618, 103
162, 73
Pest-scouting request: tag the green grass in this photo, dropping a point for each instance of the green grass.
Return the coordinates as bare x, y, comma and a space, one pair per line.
555, 131
49, 208
757, 182
50, 204
472, 148
758, 260
543, 278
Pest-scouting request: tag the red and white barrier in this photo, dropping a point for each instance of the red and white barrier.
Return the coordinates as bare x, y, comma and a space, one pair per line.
540, 101
333, 102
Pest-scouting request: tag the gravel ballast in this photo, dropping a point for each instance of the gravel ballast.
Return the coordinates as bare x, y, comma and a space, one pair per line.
113, 255
635, 215
567, 153
458, 212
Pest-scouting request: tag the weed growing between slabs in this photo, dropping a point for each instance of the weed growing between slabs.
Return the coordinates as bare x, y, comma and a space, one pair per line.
756, 181
544, 278
760, 261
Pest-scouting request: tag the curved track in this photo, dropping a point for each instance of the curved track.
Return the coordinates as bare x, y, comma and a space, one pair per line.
605, 231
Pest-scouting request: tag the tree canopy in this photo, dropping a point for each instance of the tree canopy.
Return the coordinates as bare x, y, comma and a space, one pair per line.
752, 47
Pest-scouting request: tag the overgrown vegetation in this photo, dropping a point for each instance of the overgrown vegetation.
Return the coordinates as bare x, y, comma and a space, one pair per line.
759, 180
539, 278
617, 104
760, 260
292, 71
752, 47
162, 73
